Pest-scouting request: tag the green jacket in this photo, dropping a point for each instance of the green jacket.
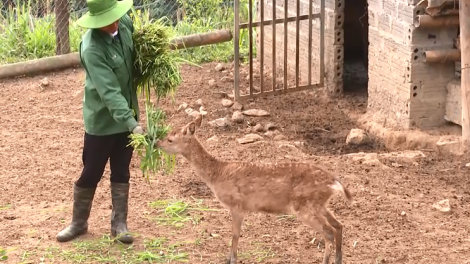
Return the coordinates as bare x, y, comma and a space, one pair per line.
110, 97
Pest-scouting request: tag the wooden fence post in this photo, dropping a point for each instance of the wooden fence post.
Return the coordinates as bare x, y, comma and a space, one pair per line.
464, 19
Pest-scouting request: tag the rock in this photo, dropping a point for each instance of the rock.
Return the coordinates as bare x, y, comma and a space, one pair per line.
227, 103
213, 139
227, 79
370, 159
449, 145
270, 126
269, 133
245, 140
182, 106
250, 138
403, 213
238, 117
407, 156
198, 102
357, 137
220, 122
202, 111
256, 112
44, 82
212, 83
219, 67
442, 206
219, 95
258, 128
237, 106
279, 137
254, 136
188, 111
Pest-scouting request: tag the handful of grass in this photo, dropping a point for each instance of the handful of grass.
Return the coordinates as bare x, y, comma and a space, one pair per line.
153, 159
157, 71
157, 65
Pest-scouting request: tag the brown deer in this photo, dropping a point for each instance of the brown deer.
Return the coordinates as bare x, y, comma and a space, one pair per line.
301, 189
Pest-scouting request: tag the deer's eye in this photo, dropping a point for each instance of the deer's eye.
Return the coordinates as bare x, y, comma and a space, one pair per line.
170, 141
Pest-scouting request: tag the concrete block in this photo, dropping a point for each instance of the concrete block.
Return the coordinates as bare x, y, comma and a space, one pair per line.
332, 4
384, 23
338, 37
453, 111
407, 13
450, 145
413, 2
375, 6
338, 21
400, 31
390, 8
373, 19
436, 73
433, 37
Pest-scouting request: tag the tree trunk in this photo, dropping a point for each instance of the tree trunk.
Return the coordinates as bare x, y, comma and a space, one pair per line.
62, 27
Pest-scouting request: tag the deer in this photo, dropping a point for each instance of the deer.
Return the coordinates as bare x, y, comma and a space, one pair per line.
294, 188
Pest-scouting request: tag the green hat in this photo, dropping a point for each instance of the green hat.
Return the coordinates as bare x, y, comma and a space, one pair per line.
102, 13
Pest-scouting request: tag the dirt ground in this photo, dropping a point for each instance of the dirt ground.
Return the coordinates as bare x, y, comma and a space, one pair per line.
392, 221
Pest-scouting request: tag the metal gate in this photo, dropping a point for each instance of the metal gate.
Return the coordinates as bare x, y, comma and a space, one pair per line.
261, 24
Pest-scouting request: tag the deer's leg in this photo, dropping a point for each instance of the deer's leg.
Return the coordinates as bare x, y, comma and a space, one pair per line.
329, 234
237, 220
316, 221
338, 235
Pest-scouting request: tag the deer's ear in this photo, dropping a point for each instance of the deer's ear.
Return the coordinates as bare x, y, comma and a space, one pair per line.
183, 130
191, 128
198, 120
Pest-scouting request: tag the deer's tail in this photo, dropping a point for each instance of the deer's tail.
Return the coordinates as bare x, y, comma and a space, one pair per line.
338, 186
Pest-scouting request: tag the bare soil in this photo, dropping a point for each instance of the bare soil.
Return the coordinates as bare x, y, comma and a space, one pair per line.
393, 220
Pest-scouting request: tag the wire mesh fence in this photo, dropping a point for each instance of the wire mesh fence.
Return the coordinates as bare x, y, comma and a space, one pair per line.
31, 29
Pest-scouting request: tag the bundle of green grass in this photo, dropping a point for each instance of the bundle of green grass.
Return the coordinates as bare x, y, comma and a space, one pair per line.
158, 66
157, 72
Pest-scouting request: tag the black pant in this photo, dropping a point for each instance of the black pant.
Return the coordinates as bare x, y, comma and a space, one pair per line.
96, 152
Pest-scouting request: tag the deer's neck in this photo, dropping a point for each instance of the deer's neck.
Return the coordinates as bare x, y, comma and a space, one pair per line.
207, 166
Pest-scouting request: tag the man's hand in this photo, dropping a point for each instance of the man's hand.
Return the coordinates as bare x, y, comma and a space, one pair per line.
138, 130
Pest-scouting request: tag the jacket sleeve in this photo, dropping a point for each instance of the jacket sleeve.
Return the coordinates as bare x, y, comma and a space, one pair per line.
108, 88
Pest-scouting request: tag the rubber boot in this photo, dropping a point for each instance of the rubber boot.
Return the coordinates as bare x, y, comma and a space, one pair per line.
120, 198
83, 199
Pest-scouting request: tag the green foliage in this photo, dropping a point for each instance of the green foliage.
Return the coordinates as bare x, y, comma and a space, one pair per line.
153, 159
176, 213
26, 33
107, 250
3, 254
24, 37
208, 15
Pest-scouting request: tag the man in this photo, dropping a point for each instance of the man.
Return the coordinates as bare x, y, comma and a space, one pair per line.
110, 113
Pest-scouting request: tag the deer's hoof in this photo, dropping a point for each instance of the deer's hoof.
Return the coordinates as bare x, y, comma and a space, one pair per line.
231, 260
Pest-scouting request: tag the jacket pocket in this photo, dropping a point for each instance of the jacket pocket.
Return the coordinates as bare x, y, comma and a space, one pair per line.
116, 63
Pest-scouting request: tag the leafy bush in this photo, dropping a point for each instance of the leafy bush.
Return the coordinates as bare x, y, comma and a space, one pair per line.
27, 35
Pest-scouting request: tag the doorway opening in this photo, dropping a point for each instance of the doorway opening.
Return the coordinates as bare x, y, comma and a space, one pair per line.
356, 45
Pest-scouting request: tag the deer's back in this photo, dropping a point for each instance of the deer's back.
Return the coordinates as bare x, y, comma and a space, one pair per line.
273, 188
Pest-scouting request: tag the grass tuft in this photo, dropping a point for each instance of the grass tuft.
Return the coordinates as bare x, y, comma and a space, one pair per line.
177, 213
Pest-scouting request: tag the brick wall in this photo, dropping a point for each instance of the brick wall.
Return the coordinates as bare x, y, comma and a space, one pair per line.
404, 91
333, 42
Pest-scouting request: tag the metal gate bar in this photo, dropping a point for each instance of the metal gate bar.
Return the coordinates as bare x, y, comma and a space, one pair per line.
250, 25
